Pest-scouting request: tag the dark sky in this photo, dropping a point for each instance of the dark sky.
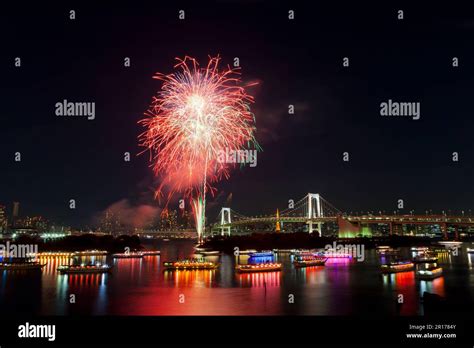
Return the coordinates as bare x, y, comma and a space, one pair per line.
297, 62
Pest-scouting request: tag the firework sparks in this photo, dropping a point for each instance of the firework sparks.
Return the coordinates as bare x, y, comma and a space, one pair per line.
198, 114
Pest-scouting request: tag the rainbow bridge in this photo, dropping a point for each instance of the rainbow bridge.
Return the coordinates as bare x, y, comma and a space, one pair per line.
314, 211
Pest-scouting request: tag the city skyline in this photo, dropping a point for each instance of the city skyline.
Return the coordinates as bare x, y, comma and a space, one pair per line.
389, 157
236, 168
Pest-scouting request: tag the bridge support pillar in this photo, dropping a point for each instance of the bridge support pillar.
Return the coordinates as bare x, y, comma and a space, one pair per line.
225, 230
225, 219
444, 230
311, 229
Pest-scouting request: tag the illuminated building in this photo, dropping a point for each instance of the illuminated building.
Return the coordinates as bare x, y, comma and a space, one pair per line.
3, 219
16, 210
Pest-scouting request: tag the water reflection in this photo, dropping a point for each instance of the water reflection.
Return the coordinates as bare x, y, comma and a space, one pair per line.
190, 278
259, 279
143, 287
312, 275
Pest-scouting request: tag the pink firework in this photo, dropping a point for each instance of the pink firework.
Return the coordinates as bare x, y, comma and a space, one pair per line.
198, 115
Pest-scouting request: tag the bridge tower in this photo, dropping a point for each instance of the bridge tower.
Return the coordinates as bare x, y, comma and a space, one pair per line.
314, 211
278, 227
225, 220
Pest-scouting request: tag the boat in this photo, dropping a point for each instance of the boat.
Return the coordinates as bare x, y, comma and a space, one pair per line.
258, 267
438, 250
450, 243
283, 251
83, 268
392, 252
429, 273
129, 255
20, 263
190, 264
247, 252
398, 266
151, 252
166, 240
334, 254
386, 250
51, 254
262, 253
425, 259
295, 252
210, 252
90, 253
382, 248
305, 261
419, 248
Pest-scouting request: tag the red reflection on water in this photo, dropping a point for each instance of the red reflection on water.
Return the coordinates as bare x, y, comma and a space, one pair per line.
338, 261
52, 263
260, 279
405, 285
435, 286
313, 275
92, 280
190, 278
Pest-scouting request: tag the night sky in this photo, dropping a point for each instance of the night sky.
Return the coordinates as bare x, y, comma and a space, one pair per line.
298, 62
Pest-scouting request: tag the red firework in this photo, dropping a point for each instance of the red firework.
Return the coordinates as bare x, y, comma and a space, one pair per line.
199, 114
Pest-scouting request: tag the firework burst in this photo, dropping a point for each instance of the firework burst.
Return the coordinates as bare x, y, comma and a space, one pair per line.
198, 114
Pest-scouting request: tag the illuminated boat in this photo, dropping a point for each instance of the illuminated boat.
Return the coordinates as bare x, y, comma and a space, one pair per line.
392, 251
429, 273
258, 267
450, 243
398, 266
335, 255
419, 248
83, 268
386, 250
307, 261
151, 252
438, 250
381, 249
90, 253
51, 254
130, 255
296, 252
211, 252
20, 263
283, 251
191, 264
247, 252
425, 259
262, 253
307, 254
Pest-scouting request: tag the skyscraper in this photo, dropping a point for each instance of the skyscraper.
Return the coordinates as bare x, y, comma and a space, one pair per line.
3, 219
16, 210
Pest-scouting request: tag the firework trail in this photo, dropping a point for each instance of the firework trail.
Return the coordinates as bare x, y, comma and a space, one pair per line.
199, 114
